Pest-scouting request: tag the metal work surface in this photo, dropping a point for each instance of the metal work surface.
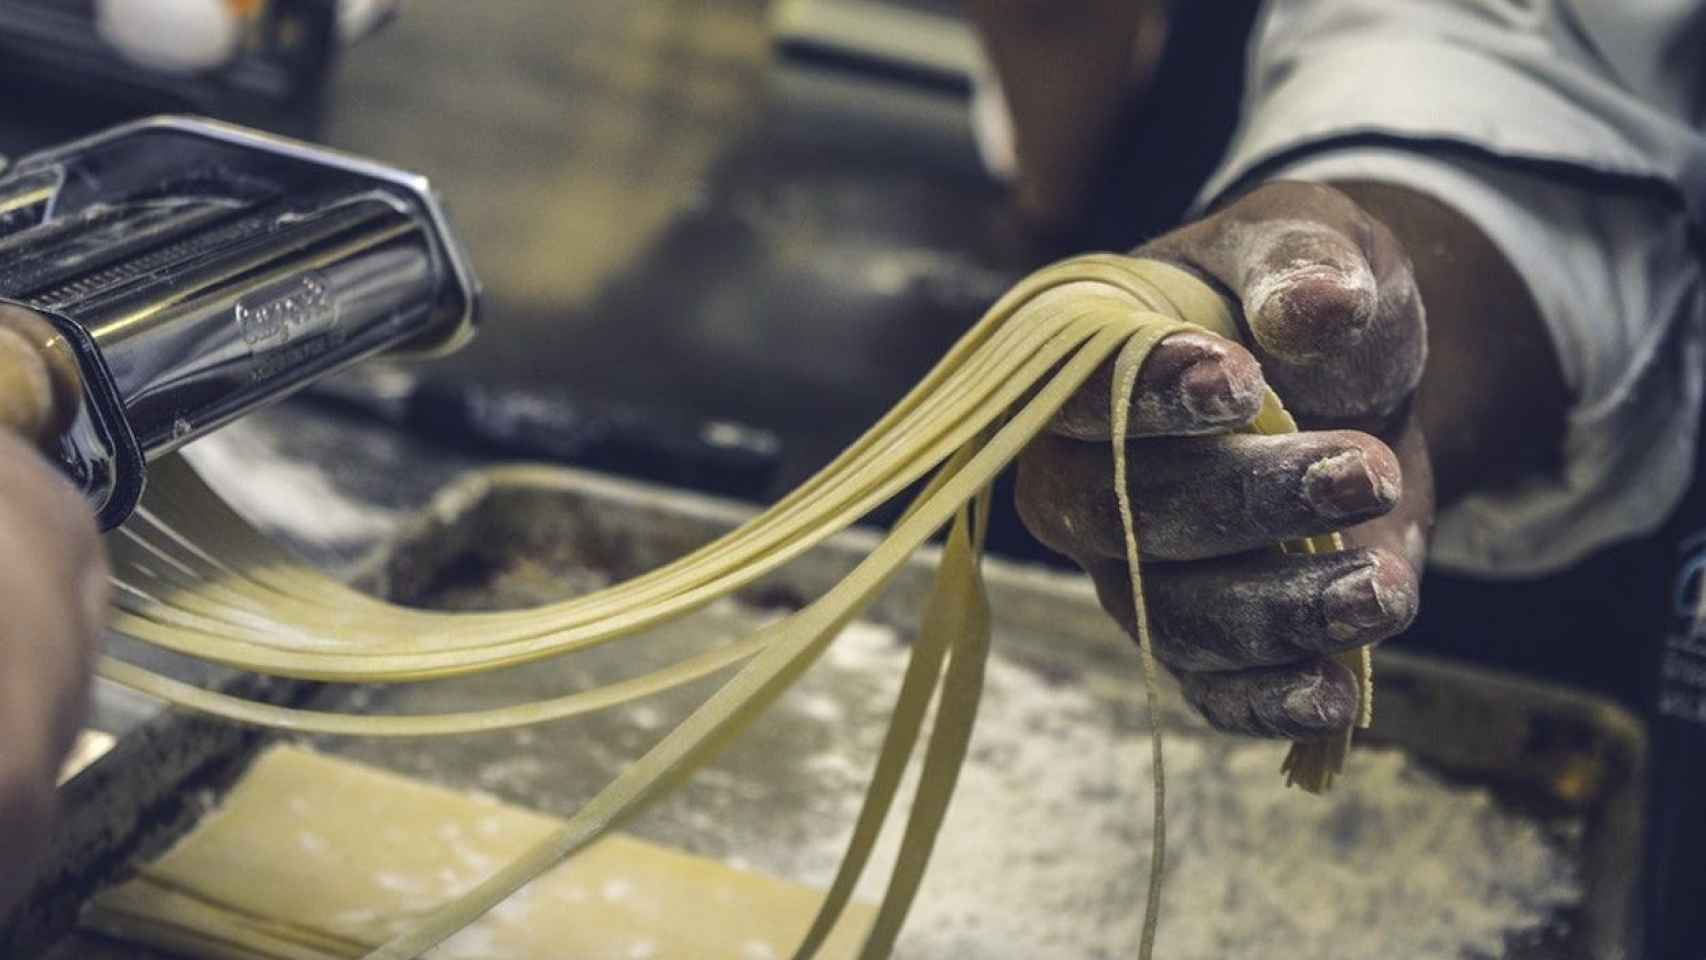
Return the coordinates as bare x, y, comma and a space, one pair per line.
1496, 820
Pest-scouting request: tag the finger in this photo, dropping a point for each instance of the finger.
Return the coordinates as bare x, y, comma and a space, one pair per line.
1195, 498
1192, 383
54, 597
1328, 296
52, 590
1299, 702
26, 815
1266, 610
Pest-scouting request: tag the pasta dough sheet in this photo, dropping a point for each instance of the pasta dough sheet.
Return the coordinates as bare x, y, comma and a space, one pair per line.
314, 857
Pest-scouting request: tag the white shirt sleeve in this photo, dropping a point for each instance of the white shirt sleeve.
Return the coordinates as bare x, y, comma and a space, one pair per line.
1619, 287
1497, 109
1615, 88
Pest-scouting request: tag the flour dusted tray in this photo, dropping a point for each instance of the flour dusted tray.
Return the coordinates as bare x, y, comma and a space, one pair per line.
1483, 817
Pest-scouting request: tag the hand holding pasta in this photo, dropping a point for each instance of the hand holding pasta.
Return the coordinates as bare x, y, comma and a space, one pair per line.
1335, 325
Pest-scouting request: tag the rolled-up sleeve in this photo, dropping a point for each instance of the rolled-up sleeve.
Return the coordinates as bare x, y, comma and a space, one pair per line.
1512, 115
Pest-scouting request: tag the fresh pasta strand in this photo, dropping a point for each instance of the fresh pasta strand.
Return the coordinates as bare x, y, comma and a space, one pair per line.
193, 577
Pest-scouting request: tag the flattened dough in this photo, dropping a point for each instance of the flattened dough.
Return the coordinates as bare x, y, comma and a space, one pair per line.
313, 858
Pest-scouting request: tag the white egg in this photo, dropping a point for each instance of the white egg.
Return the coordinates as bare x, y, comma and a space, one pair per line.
175, 36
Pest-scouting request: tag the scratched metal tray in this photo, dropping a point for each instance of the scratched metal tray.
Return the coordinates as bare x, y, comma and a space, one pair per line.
1047, 848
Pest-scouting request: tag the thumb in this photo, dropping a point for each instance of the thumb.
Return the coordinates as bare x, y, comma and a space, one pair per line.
1328, 298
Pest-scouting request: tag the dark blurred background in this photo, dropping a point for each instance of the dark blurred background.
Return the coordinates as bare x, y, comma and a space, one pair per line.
749, 222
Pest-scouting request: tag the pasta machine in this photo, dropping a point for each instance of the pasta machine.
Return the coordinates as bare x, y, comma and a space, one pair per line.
181, 272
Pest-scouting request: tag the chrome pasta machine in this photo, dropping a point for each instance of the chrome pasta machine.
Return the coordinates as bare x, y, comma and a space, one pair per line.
162, 278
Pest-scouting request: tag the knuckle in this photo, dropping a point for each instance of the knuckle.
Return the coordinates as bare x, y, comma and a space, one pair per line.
1376, 237
1052, 501
1230, 705
1027, 499
1208, 698
1185, 651
1215, 617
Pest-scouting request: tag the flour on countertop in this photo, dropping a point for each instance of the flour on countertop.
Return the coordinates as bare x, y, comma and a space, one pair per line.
1046, 847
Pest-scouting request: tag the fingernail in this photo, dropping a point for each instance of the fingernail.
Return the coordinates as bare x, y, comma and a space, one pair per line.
1309, 312
1364, 600
1305, 707
1313, 702
1315, 706
1342, 485
1214, 395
